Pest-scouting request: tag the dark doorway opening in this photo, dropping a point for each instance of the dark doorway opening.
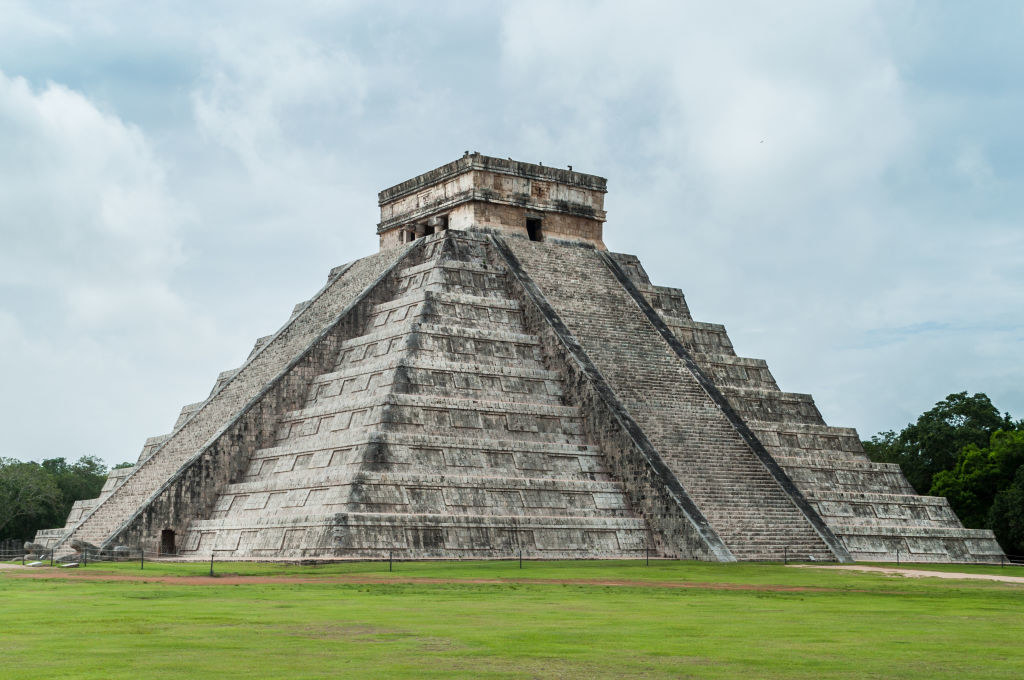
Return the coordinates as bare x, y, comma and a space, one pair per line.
428, 230
167, 542
533, 229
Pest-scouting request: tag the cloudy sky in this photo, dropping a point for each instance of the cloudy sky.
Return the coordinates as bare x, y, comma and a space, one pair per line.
840, 184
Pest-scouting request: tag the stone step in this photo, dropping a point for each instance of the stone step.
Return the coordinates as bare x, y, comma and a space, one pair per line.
478, 278
438, 376
430, 363
665, 299
730, 370
824, 458
346, 406
777, 554
451, 342
887, 543
336, 477
186, 412
419, 535
770, 404
699, 337
787, 437
401, 452
769, 522
383, 519
452, 265
437, 493
877, 497
331, 419
432, 441
482, 334
483, 385
853, 476
150, 446
299, 334
415, 297
449, 308
900, 529
222, 378
878, 508
521, 420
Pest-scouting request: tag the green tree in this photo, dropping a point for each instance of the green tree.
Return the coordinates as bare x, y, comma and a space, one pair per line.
1006, 518
979, 475
933, 443
28, 494
82, 479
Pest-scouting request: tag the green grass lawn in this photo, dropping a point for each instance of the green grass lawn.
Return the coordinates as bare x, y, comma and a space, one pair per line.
858, 626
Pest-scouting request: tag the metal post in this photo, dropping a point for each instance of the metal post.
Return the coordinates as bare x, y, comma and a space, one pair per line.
647, 555
1002, 558
211, 564
142, 558
785, 554
51, 557
897, 557
390, 558
85, 556
520, 558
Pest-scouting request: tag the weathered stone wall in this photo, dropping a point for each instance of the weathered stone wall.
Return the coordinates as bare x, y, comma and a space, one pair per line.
511, 219
480, 192
151, 476
437, 432
678, 525
194, 490
476, 395
870, 506
752, 513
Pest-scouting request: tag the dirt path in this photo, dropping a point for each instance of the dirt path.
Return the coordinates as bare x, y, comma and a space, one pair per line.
916, 573
17, 571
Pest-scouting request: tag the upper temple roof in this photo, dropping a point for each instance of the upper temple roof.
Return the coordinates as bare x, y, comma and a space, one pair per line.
505, 166
484, 193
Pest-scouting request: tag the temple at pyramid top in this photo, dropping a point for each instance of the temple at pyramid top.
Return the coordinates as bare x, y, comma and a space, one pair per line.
495, 194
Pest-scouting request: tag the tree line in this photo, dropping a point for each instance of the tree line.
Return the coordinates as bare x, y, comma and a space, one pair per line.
37, 496
965, 450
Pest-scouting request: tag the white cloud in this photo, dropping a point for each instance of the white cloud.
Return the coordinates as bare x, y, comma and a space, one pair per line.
92, 242
22, 21
84, 200
865, 246
757, 151
972, 165
256, 89
796, 96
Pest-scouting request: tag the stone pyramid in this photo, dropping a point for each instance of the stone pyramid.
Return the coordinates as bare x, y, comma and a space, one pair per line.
493, 380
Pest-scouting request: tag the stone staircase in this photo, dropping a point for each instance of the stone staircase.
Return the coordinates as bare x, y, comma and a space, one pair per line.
164, 458
870, 506
429, 419
746, 506
438, 433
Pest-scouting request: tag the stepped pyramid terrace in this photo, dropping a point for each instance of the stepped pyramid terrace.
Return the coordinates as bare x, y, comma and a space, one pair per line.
494, 379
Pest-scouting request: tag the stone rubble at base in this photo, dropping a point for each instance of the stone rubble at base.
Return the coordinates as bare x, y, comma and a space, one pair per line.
506, 385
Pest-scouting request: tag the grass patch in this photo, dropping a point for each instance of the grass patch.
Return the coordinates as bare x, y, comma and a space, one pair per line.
857, 626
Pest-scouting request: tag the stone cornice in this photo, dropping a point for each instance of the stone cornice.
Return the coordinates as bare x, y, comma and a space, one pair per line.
503, 166
489, 197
